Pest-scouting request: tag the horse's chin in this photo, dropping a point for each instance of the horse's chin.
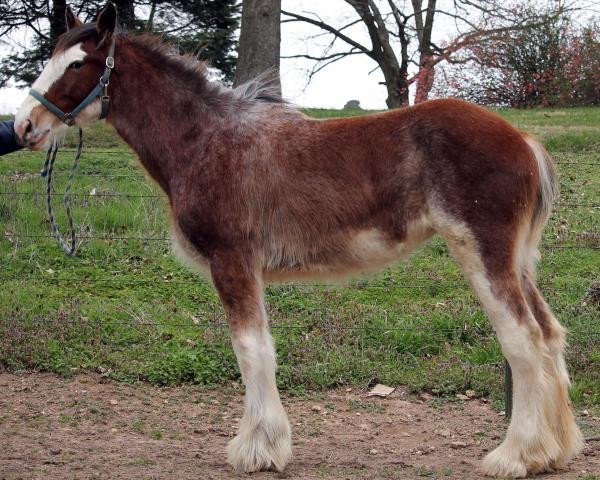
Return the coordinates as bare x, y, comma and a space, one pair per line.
41, 143
48, 139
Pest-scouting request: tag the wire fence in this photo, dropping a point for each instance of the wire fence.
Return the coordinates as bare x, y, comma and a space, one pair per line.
40, 282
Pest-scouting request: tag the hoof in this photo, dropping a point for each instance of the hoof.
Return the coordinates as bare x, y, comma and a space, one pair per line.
260, 449
502, 462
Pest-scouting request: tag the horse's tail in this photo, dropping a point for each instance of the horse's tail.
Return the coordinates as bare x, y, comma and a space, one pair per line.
548, 191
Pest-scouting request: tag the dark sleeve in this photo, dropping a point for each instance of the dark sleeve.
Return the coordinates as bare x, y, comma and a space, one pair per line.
8, 142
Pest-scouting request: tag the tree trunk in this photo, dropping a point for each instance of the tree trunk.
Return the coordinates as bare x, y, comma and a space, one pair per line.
150, 22
260, 39
426, 74
382, 52
424, 80
58, 20
397, 89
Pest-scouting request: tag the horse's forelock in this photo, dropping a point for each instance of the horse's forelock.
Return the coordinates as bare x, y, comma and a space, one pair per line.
74, 36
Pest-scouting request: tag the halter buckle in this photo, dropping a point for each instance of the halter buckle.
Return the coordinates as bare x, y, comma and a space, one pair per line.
110, 62
69, 120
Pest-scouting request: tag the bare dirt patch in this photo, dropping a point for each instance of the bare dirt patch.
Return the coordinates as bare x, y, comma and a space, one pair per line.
91, 427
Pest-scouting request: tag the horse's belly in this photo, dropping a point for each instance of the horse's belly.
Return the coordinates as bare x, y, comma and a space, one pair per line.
365, 251
338, 257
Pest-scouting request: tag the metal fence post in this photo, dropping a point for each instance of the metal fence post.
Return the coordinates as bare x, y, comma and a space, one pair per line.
508, 389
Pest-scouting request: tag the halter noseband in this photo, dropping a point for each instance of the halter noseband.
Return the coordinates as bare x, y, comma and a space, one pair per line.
100, 90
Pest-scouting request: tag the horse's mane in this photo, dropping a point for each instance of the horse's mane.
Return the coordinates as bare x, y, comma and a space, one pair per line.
262, 89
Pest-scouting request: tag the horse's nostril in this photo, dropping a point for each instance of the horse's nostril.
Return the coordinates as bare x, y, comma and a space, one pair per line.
22, 131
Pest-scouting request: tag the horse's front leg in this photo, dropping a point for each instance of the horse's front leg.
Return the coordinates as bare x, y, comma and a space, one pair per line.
264, 437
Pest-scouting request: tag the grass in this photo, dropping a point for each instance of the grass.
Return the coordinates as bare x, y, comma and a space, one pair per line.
562, 130
127, 308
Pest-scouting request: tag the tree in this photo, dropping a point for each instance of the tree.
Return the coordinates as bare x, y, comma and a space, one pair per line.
533, 59
583, 69
26, 65
202, 27
210, 32
260, 40
554, 64
408, 27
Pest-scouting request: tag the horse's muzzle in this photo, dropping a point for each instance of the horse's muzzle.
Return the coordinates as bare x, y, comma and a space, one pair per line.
29, 136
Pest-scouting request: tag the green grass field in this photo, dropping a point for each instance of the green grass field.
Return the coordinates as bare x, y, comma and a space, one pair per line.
126, 307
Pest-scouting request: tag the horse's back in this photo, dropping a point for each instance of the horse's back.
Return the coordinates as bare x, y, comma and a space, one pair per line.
365, 191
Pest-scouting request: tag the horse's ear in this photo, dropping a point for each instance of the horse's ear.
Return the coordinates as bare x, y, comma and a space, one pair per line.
106, 23
71, 18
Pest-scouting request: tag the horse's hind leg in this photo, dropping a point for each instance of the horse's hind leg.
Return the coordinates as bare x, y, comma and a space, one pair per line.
264, 438
564, 426
542, 433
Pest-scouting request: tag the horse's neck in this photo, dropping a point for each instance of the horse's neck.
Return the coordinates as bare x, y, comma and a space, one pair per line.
154, 112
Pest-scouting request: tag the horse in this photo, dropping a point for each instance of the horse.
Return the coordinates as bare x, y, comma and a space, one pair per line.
259, 192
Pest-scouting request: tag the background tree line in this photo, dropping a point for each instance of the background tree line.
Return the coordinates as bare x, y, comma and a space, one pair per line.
497, 37
522, 53
205, 28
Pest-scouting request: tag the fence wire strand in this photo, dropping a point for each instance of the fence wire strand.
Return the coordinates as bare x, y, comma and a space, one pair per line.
34, 193
581, 246
317, 323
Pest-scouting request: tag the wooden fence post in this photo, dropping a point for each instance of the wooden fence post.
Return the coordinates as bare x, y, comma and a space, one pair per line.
508, 389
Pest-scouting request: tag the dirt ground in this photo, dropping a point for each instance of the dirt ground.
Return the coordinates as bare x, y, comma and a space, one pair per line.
91, 427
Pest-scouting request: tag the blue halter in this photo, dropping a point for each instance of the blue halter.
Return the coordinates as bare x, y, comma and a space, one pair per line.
100, 90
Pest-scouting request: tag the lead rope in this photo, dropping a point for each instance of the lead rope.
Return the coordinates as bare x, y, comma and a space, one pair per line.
47, 172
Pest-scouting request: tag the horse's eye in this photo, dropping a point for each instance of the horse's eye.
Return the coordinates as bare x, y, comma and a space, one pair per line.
76, 65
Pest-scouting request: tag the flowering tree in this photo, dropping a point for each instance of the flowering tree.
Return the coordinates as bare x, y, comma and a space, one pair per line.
548, 65
582, 72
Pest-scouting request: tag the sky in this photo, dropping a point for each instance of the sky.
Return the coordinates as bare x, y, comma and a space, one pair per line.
353, 78
332, 87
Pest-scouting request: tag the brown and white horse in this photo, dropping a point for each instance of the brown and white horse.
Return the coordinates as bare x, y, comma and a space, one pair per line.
259, 192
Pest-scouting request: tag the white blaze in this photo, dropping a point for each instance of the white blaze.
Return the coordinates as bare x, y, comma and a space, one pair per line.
55, 69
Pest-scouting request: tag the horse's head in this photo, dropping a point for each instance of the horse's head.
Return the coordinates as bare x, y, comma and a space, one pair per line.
73, 72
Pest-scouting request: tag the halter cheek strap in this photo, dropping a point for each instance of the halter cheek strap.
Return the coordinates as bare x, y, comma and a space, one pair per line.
100, 90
